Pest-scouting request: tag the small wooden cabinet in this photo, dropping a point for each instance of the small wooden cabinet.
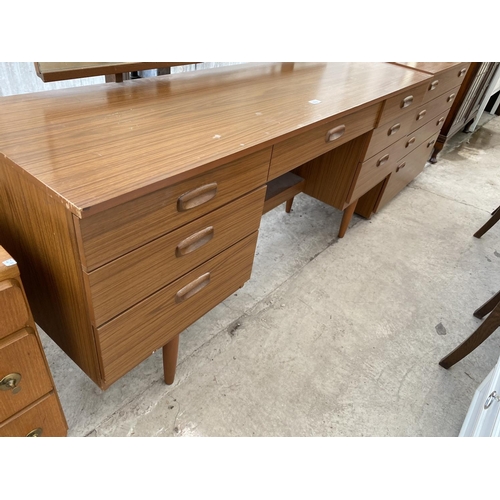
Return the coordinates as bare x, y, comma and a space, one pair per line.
29, 405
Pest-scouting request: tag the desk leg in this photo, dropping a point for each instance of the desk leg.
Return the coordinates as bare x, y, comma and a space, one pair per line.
490, 324
170, 352
288, 207
348, 213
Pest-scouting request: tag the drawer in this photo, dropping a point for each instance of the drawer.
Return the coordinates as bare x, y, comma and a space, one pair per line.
43, 418
432, 108
15, 313
388, 134
131, 337
420, 135
376, 169
445, 81
297, 150
108, 235
407, 169
22, 367
396, 106
122, 283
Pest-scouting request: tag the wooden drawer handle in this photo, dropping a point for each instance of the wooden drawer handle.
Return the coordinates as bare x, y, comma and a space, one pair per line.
335, 133
195, 241
407, 101
193, 288
410, 142
421, 114
430, 143
394, 129
383, 160
35, 433
440, 121
433, 85
403, 165
450, 98
462, 72
196, 197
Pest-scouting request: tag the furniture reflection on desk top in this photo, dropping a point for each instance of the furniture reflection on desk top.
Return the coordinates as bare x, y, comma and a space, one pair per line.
136, 205
101, 145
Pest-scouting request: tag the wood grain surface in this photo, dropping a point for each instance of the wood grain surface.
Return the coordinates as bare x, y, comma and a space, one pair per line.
13, 309
125, 281
134, 335
44, 414
21, 353
97, 146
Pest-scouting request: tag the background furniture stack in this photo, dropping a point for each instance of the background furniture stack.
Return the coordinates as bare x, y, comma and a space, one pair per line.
467, 103
29, 404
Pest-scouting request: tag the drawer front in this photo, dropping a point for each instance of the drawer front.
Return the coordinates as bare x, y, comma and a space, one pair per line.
23, 372
376, 169
438, 105
297, 150
114, 232
388, 134
44, 418
416, 138
396, 106
13, 308
122, 283
446, 81
407, 169
131, 337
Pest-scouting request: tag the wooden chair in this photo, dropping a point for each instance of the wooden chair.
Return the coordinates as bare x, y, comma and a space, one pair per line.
491, 307
495, 217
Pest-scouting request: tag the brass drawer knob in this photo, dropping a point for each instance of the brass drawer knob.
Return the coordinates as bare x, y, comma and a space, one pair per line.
410, 142
450, 98
440, 121
35, 433
11, 383
462, 72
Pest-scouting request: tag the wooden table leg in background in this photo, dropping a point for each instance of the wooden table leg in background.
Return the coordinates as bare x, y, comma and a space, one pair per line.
348, 213
170, 352
490, 324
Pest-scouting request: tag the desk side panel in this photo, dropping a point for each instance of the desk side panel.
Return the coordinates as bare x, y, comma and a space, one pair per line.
37, 230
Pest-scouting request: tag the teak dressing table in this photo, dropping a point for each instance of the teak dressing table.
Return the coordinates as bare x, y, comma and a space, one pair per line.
133, 208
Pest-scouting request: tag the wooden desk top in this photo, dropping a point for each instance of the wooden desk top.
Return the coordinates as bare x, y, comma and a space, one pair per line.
431, 68
97, 146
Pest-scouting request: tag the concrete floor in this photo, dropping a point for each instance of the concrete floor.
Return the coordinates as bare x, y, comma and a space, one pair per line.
330, 337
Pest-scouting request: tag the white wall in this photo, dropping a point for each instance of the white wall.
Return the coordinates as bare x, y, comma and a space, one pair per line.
21, 78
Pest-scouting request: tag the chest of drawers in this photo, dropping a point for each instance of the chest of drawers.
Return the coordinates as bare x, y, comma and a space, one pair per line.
29, 405
136, 206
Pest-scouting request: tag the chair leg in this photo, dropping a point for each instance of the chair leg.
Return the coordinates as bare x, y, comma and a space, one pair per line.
495, 217
487, 307
490, 324
288, 207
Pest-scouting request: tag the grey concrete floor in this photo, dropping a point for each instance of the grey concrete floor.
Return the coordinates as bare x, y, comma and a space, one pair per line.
330, 337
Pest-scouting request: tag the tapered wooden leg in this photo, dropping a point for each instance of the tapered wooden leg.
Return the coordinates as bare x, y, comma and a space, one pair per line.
348, 213
490, 324
170, 352
438, 146
487, 307
288, 207
495, 217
